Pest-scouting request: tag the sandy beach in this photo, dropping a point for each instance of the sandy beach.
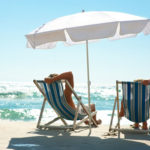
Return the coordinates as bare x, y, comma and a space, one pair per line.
18, 135
101, 48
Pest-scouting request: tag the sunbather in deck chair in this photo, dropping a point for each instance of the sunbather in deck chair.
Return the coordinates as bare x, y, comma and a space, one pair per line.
52, 90
135, 101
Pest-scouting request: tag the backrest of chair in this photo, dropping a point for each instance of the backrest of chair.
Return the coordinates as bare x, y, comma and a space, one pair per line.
136, 100
55, 96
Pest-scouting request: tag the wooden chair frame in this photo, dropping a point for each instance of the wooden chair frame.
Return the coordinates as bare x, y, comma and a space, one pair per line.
117, 127
66, 126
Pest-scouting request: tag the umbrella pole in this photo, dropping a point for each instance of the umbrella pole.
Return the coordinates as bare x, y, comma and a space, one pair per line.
88, 83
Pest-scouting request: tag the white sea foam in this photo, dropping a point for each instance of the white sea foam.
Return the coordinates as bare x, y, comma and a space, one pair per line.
102, 96
102, 91
49, 114
18, 89
28, 89
104, 115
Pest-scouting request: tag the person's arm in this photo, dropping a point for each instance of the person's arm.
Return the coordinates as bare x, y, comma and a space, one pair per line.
64, 76
146, 82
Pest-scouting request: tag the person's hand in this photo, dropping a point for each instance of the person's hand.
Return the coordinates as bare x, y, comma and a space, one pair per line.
48, 80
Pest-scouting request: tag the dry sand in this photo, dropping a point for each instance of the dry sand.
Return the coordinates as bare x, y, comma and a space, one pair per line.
18, 135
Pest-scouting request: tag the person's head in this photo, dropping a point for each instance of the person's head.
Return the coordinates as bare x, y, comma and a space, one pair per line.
53, 75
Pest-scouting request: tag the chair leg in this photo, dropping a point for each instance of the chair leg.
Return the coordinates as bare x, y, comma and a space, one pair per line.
76, 115
112, 116
118, 118
54, 120
41, 113
64, 122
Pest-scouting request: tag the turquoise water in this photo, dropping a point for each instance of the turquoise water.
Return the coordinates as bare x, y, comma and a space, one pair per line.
23, 101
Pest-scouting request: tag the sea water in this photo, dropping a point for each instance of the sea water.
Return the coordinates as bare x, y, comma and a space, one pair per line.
23, 101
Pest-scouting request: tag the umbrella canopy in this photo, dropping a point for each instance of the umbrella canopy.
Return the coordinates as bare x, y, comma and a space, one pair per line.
80, 27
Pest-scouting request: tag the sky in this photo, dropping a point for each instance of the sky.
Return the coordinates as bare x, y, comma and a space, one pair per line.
125, 59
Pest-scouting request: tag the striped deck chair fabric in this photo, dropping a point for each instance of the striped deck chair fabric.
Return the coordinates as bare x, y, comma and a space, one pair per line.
136, 100
55, 95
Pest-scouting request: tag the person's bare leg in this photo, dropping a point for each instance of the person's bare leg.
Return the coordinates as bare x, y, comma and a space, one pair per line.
121, 113
136, 125
144, 127
99, 121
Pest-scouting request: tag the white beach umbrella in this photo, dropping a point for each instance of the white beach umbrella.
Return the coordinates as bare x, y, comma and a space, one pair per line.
87, 26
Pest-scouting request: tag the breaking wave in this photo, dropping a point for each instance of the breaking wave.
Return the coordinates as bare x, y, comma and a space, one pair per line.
23, 101
19, 90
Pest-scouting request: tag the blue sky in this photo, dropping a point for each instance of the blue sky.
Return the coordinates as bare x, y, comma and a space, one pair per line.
125, 59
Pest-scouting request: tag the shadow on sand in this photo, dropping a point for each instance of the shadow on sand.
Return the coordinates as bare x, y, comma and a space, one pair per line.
60, 140
136, 136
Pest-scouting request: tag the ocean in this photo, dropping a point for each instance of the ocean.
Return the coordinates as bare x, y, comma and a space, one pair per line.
22, 101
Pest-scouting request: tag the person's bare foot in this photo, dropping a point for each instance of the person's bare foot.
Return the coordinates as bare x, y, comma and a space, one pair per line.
135, 126
121, 114
97, 121
86, 122
144, 127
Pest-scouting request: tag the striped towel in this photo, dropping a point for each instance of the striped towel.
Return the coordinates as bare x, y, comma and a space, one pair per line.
136, 101
55, 95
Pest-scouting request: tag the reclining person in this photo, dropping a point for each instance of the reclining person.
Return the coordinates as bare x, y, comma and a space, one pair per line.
67, 91
121, 113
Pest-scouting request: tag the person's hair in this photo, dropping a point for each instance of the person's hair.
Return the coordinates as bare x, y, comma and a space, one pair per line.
53, 75
138, 80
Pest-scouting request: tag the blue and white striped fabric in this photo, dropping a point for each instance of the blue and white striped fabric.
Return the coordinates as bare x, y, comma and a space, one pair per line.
136, 101
56, 98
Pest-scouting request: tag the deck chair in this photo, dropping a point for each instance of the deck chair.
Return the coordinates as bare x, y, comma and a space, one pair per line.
136, 103
54, 94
